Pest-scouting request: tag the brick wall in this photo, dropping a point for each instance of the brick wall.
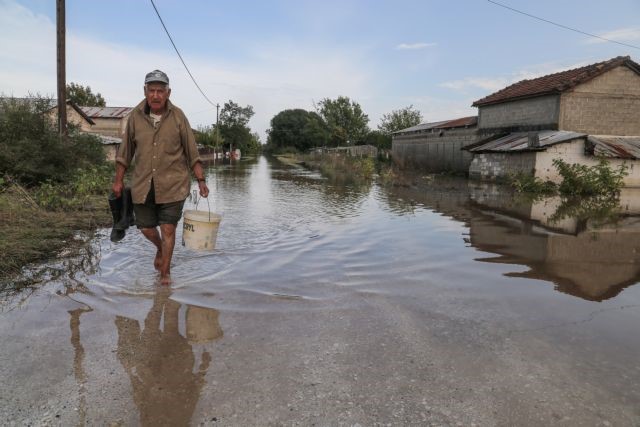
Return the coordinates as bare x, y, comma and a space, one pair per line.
539, 112
434, 152
607, 105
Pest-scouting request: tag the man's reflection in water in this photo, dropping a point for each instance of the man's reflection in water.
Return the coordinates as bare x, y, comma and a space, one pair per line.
160, 362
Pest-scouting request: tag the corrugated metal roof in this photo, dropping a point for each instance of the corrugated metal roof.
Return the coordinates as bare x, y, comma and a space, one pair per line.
106, 140
445, 124
420, 127
519, 141
106, 112
556, 83
621, 147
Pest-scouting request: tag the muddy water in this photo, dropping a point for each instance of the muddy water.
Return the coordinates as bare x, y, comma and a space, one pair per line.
436, 302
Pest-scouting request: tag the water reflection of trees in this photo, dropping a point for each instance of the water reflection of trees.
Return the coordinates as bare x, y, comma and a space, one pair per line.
160, 361
598, 210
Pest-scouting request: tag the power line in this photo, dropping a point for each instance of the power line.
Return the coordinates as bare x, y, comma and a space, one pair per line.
180, 56
562, 26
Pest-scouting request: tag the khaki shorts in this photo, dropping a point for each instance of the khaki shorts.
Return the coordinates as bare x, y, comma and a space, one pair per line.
151, 214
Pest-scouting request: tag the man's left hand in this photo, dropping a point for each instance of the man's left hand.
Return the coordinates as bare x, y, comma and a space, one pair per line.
204, 190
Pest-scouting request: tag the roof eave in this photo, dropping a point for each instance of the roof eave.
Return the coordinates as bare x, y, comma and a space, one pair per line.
517, 98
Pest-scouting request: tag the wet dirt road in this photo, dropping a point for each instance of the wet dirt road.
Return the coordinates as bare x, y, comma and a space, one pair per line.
334, 304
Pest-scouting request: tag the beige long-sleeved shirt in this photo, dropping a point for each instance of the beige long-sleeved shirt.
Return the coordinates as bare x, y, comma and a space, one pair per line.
163, 154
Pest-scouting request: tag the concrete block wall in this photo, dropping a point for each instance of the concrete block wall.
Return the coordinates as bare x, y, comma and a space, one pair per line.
434, 152
109, 127
607, 105
542, 111
494, 166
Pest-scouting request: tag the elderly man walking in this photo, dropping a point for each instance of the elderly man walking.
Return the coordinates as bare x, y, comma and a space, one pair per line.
159, 139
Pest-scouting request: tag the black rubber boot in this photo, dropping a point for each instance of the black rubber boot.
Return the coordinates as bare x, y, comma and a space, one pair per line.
128, 218
115, 205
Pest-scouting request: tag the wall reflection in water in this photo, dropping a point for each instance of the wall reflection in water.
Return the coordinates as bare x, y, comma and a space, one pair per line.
161, 362
587, 258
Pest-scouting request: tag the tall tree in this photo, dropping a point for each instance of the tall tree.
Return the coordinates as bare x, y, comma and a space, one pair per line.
298, 129
234, 128
82, 95
400, 119
233, 114
346, 120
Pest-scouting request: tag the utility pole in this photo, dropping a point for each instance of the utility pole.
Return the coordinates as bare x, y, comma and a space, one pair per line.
217, 134
62, 78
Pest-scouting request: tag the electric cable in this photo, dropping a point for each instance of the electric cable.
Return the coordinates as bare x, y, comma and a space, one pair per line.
178, 52
562, 26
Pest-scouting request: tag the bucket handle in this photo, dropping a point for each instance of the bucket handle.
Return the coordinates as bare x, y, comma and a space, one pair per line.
198, 201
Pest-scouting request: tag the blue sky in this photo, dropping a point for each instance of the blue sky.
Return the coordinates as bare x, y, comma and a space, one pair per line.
437, 55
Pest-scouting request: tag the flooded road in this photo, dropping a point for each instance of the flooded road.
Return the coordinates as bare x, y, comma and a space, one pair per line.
444, 303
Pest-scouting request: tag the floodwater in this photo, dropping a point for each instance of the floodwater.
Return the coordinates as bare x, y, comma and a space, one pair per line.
438, 302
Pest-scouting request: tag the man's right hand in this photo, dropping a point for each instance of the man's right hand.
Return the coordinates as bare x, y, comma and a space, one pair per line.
117, 188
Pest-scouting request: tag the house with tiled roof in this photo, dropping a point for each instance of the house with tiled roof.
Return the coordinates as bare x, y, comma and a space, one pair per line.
601, 98
576, 115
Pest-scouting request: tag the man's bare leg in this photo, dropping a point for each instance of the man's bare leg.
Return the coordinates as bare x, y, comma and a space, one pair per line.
168, 243
153, 236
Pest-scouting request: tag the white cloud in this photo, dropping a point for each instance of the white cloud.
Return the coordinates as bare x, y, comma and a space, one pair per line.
414, 46
493, 84
484, 83
620, 35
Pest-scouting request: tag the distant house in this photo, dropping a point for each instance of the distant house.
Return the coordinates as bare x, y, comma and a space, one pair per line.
109, 121
436, 146
75, 116
574, 115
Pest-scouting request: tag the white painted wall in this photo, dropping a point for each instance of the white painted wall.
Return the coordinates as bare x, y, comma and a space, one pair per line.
573, 152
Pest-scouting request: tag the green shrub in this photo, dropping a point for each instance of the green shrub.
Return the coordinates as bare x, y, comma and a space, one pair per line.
582, 180
78, 193
31, 150
527, 183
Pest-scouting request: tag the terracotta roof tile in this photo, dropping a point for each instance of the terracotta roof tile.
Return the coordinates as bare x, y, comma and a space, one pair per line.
556, 83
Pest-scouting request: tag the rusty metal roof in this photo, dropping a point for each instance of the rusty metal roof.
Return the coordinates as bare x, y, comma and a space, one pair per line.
106, 112
461, 122
621, 147
556, 83
445, 124
519, 141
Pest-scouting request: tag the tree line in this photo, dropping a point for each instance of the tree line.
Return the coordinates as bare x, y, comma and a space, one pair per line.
336, 122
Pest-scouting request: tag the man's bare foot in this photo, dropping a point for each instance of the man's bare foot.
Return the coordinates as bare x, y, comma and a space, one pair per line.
165, 279
157, 262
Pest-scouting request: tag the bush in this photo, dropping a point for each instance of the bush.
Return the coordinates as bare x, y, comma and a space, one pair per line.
31, 150
526, 183
78, 193
582, 180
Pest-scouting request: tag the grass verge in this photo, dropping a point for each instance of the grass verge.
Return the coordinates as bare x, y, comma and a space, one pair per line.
30, 233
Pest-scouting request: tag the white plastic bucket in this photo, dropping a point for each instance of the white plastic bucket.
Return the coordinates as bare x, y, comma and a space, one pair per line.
200, 230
